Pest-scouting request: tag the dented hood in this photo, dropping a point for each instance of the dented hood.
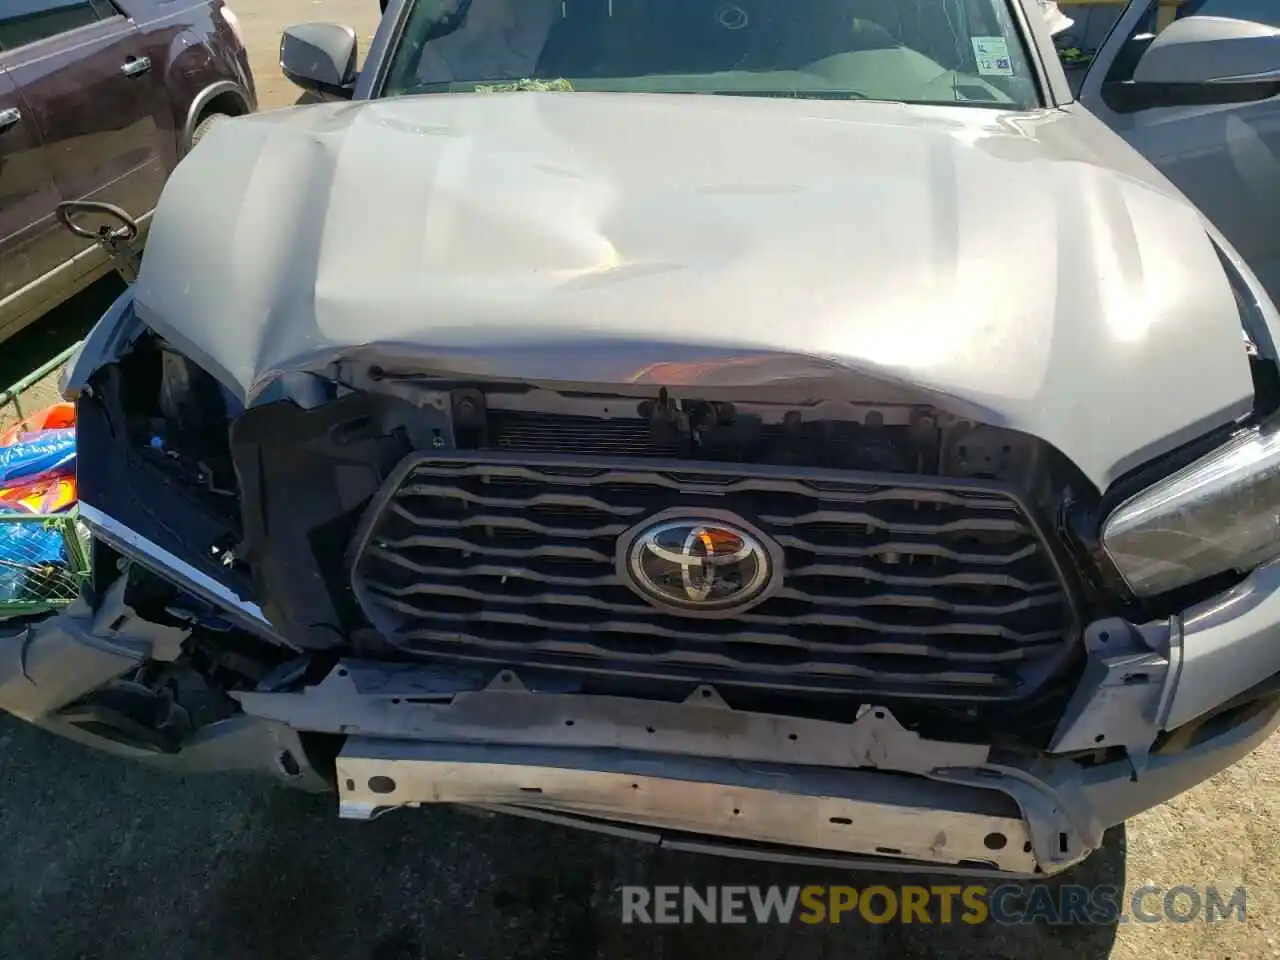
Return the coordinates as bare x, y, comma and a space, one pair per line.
1025, 269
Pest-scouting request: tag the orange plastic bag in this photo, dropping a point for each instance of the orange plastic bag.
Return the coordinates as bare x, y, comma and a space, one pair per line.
59, 416
47, 495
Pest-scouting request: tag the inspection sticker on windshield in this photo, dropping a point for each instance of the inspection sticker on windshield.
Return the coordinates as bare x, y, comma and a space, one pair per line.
992, 54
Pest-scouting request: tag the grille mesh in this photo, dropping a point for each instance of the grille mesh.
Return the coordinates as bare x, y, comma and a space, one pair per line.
914, 584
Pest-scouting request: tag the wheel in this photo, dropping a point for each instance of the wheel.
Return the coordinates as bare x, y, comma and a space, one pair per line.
204, 126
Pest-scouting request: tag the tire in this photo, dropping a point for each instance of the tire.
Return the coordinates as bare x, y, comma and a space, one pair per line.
204, 126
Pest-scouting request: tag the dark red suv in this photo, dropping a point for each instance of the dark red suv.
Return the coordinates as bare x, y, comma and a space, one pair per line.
99, 99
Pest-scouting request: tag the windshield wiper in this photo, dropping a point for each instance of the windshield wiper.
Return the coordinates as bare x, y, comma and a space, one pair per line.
786, 94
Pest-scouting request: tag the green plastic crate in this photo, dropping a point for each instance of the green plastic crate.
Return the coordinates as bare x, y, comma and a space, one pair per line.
44, 587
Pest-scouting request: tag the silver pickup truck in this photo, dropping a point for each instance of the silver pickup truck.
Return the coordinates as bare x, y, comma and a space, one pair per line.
788, 428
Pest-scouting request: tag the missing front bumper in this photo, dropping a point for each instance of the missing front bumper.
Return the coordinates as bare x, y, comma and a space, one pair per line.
414, 737
449, 736
841, 812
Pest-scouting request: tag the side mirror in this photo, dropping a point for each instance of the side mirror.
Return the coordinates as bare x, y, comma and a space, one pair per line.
320, 58
1203, 61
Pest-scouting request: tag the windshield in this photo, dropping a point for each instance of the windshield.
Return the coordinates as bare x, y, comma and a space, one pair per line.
918, 51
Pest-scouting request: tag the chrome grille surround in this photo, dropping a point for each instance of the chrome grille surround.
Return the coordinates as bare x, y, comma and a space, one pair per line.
895, 584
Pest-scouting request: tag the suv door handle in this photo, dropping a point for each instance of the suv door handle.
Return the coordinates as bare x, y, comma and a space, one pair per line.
134, 67
9, 118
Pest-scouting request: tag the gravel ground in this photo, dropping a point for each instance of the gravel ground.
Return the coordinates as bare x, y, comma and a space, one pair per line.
101, 859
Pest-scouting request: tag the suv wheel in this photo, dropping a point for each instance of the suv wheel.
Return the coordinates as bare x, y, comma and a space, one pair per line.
203, 127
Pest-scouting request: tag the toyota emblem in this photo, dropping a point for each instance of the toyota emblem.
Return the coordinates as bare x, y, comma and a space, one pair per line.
699, 565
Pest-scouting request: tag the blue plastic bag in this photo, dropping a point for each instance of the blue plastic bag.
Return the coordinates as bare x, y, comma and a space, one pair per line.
45, 451
30, 553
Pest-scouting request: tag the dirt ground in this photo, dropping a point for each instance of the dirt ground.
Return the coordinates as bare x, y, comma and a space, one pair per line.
102, 860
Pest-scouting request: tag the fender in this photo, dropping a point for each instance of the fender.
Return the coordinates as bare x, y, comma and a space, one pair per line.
207, 96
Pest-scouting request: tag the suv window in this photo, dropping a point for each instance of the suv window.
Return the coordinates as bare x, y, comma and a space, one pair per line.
1161, 14
28, 21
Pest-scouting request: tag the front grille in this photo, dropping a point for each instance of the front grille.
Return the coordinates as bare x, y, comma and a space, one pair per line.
557, 433
893, 585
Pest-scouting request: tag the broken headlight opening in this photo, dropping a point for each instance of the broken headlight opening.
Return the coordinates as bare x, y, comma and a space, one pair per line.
154, 458
1216, 515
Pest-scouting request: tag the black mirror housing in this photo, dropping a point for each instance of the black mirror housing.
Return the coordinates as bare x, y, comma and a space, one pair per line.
1131, 96
321, 58
1197, 61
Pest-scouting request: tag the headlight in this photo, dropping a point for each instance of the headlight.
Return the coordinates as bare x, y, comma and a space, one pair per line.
1220, 513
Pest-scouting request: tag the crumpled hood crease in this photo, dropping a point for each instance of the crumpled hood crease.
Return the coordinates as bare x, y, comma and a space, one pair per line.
992, 260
